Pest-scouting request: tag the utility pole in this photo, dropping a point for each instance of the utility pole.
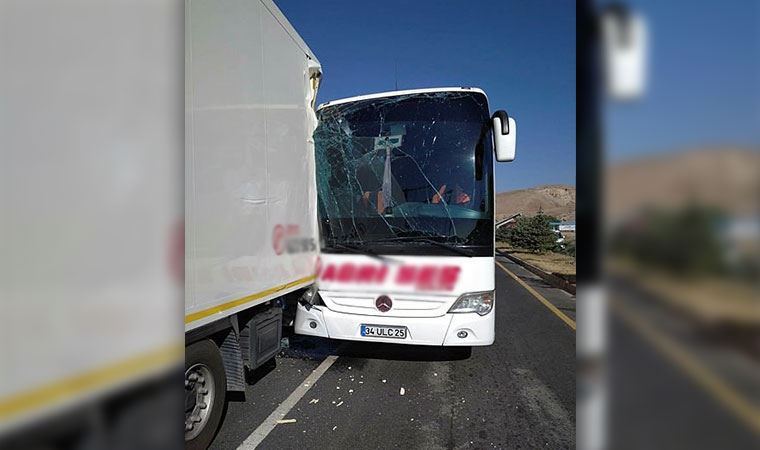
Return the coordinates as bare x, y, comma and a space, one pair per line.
610, 59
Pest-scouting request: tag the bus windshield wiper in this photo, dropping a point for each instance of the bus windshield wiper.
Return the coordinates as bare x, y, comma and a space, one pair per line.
357, 249
426, 239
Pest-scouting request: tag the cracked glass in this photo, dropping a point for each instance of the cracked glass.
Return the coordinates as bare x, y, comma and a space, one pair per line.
406, 174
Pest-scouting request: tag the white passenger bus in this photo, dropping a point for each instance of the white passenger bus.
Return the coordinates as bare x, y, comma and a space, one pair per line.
405, 185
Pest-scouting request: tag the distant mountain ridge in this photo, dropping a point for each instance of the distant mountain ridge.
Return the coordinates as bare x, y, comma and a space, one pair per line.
553, 199
726, 178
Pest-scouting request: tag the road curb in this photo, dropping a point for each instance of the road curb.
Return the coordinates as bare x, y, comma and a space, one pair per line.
553, 280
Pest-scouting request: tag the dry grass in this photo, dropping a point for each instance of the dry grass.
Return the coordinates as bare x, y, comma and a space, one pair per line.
548, 262
708, 299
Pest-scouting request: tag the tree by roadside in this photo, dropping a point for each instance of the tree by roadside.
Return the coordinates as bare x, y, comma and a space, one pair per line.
683, 242
534, 234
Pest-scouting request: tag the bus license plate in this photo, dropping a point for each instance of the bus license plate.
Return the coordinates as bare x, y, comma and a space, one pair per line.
383, 331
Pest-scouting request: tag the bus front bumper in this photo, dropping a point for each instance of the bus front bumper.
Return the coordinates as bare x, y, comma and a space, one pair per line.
469, 329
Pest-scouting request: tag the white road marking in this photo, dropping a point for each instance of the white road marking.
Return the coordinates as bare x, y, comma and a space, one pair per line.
266, 427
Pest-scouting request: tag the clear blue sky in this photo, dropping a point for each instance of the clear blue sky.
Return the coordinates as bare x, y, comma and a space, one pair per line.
522, 53
704, 89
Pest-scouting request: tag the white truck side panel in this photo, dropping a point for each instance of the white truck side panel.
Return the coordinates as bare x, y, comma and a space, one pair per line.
91, 201
251, 231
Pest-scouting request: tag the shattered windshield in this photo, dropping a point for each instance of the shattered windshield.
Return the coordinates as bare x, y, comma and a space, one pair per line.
399, 168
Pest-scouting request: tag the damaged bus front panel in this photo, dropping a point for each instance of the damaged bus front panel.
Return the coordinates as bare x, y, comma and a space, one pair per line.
406, 210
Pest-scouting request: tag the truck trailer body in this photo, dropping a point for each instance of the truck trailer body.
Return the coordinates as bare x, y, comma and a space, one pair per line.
90, 215
250, 194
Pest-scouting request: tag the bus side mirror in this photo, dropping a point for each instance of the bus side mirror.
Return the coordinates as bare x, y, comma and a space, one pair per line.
624, 52
504, 136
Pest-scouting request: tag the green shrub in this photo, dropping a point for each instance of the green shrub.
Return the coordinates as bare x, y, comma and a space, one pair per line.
534, 234
683, 242
503, 234
567, 249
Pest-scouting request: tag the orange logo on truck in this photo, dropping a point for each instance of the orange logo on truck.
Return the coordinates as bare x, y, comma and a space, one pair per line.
287, 239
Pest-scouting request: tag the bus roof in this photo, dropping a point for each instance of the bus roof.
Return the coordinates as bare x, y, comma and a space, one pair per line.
404, 92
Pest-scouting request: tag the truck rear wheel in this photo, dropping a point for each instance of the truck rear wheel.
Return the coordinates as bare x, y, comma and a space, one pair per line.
205, 389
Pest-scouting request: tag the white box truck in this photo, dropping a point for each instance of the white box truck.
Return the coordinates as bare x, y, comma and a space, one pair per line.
90, 217
250, 194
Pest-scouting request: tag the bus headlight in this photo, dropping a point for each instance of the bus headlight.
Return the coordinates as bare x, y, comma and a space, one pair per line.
477, 302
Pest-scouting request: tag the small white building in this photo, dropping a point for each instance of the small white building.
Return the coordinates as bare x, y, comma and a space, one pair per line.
566, 226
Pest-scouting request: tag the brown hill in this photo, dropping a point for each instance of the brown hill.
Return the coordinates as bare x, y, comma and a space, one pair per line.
556, 200
728, 179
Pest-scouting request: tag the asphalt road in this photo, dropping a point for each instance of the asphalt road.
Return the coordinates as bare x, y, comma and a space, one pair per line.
671, 387
666, 388
518, 393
